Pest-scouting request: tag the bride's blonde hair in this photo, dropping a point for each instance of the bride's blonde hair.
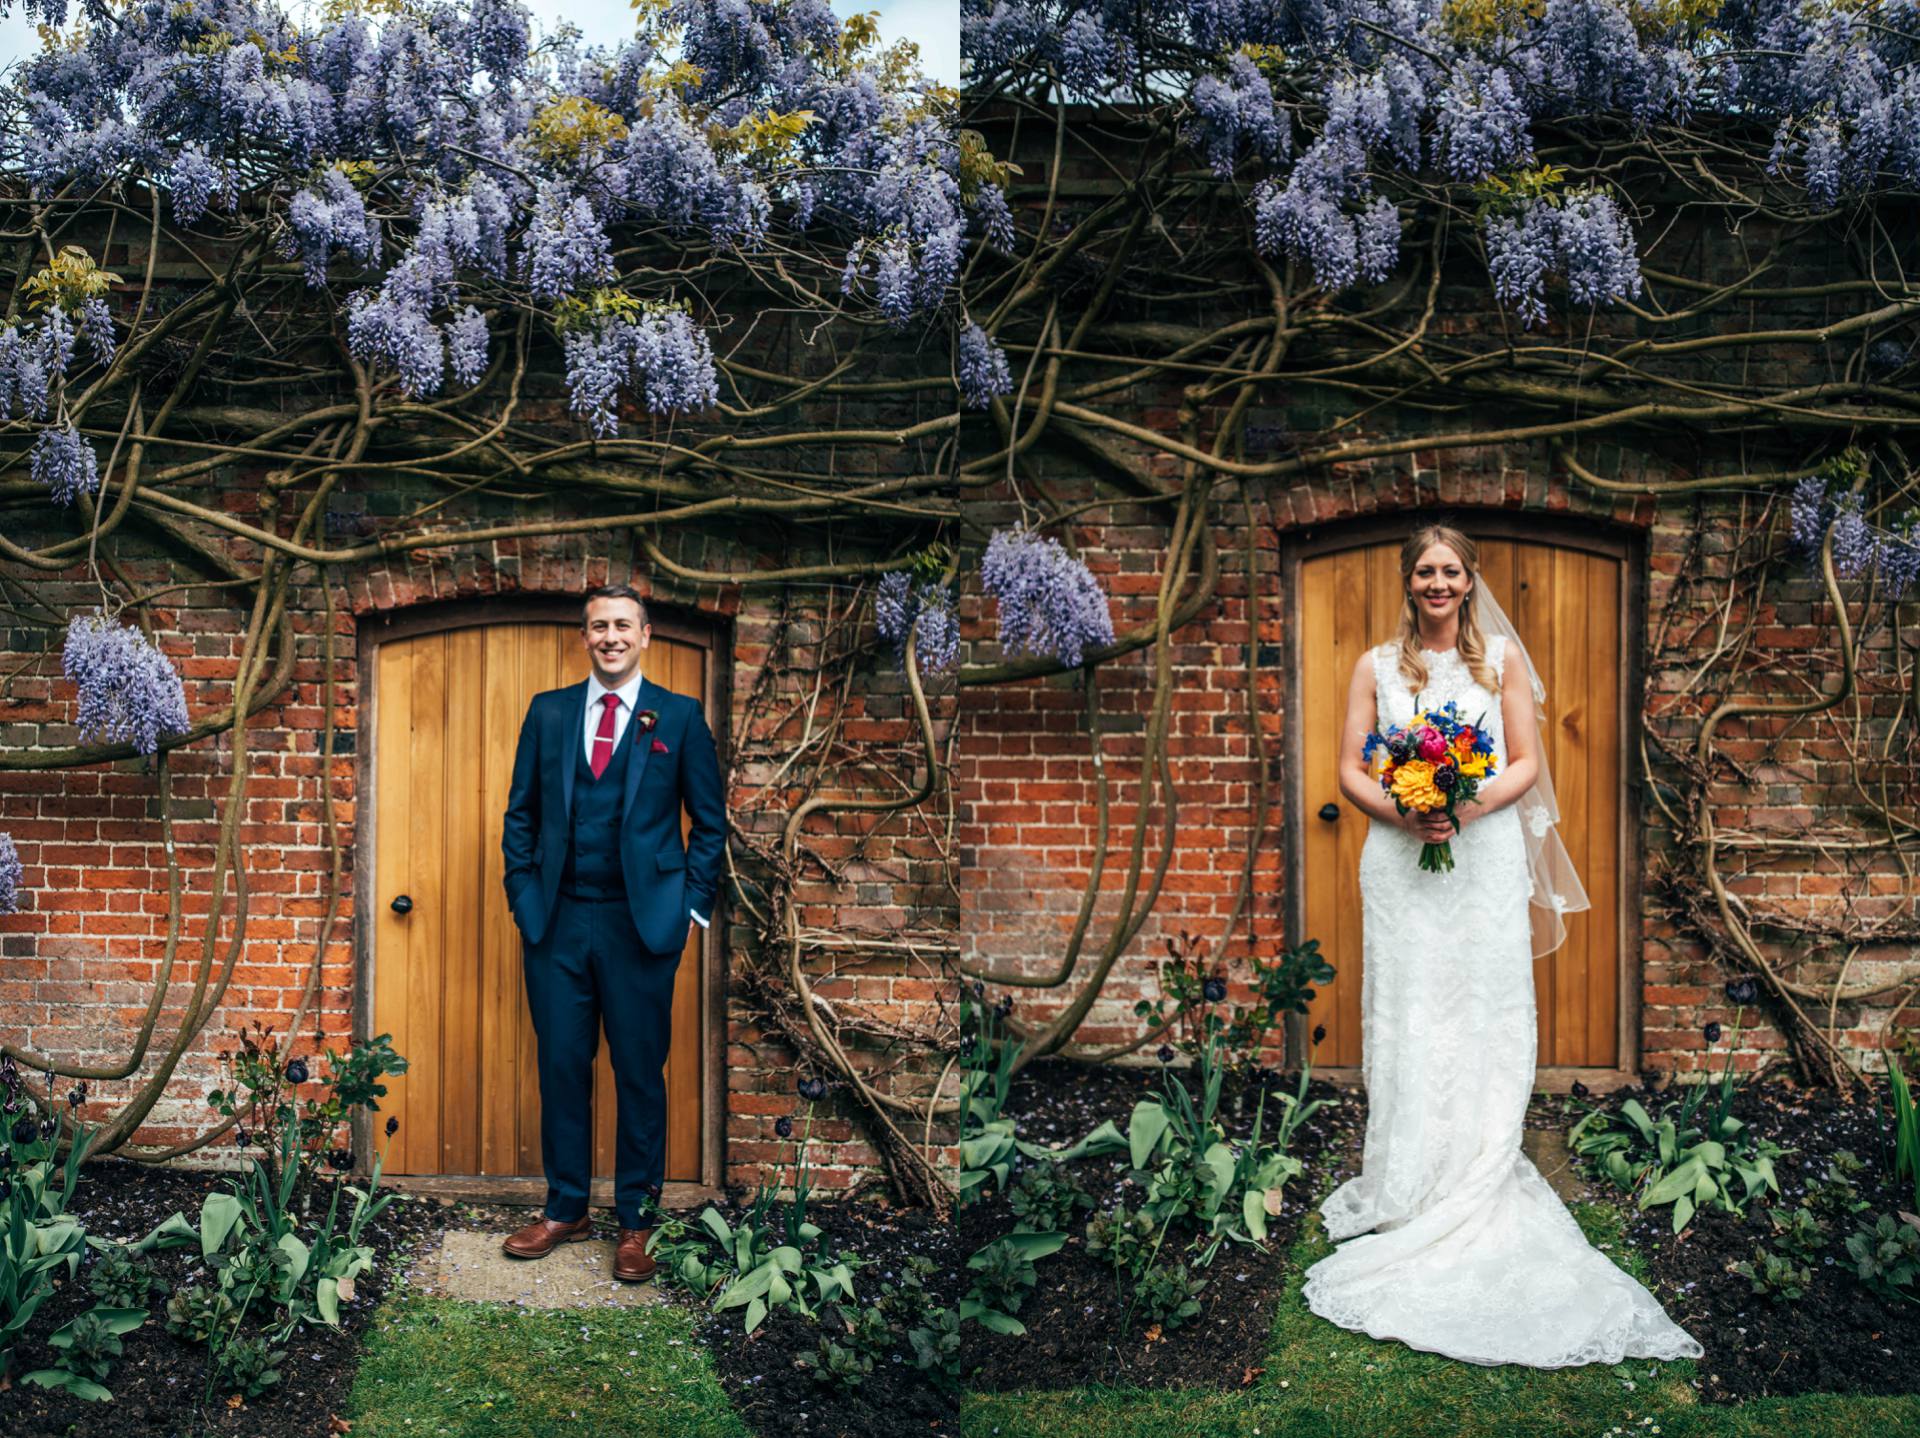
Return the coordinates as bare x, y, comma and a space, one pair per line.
1472, 643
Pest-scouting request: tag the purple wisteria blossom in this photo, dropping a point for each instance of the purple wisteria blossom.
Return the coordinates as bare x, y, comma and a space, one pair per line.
1235, 113
96, 328
467, 346
566, 246
129, 691
192, 178
10, 875
662, 354
1811, 511
983, 368
331, 215
899, 602
65, 464
1856, 543
1049, 603
1584, 237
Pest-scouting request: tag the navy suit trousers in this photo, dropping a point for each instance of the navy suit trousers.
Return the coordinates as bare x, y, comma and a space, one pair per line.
591, 963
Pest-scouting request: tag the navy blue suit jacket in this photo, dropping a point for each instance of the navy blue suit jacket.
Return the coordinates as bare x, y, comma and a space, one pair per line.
663, 879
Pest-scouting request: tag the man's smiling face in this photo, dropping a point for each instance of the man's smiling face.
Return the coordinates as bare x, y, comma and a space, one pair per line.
614, 637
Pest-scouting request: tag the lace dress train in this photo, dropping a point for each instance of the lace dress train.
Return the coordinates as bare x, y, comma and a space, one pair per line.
1472, 1254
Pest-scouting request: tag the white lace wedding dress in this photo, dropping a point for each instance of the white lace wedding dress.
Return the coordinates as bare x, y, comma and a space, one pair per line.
1472, 1254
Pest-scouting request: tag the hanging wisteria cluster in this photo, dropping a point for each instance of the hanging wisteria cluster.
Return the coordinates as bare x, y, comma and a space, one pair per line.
448, 169
1861, 549
10, 875
1458, 87
983, 368
899, 601
1050, 603
129, 691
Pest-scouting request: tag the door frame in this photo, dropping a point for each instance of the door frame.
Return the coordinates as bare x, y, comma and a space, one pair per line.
668, 622
1594, 536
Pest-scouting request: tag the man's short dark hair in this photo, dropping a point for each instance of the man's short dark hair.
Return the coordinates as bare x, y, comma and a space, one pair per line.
614, 591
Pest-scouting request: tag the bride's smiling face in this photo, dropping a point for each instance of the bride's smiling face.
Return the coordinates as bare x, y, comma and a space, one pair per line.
1438, 584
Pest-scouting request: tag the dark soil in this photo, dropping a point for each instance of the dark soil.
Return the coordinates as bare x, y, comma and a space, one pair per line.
1841, 1337
159, 1380
1078, 1327
779, 1397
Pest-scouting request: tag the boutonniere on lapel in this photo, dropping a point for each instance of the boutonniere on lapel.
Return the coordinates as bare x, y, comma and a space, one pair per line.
646, 719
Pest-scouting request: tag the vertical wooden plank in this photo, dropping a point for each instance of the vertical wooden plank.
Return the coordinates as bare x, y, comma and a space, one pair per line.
536, 665
426, 924
1571, 713
688, 676
465, 830
393, 671
1602, 876
1534, 616
502, 989
1321, 716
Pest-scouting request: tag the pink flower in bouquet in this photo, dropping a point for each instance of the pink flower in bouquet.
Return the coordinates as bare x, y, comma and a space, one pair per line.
1433, 745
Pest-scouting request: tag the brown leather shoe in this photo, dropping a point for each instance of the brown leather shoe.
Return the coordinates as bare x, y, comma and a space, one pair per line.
631, 1261
538, 1238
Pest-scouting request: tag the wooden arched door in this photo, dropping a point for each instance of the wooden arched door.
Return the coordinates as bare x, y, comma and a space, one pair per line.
446, 976
1567, 601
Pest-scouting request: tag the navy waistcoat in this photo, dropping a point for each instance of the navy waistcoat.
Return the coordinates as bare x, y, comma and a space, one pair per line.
593, 838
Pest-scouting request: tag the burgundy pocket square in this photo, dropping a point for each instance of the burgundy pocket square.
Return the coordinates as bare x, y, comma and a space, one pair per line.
659, 746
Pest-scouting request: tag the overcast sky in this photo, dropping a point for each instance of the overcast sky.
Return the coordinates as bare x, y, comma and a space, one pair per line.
933, 25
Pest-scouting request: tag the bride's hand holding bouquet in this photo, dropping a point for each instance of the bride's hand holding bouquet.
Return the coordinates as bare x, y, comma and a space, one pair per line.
1430, 768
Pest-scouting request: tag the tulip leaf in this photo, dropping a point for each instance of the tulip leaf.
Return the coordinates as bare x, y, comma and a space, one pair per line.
1253, 1209
756, 1312
218, 1215
1682, 1211
711, 1220
326, 1298
1145, 1129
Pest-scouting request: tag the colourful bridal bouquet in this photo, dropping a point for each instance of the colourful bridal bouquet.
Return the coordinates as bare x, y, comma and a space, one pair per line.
1435, 763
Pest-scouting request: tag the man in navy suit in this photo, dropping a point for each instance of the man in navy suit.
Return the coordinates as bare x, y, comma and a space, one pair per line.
603, 893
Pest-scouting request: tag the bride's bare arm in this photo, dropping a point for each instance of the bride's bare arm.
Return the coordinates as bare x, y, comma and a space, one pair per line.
1361, 789
1523, 744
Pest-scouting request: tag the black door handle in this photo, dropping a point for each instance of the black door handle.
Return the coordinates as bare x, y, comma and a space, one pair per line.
402, 905
1329, 812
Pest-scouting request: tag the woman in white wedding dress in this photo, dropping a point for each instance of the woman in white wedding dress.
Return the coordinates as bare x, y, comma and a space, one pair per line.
1471, 1254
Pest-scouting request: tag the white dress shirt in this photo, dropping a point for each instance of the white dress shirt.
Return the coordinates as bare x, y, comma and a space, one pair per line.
622, 713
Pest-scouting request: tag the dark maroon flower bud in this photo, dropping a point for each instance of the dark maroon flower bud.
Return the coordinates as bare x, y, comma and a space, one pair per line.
240, 1137
1712, 1033
1166, 1054
341, 1159
783, 1126
297, 1071
813, 1089
393, 1127
77, 1096
1319, 1032
1215, 990
1003, 1005
47, 1127
1742, 991
26, 1130
1580, 1090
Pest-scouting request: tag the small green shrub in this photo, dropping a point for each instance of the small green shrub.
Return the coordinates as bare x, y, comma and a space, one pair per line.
1046, 1196
120, 1277
840, 1365
1169, 1294
1835, 1195
1799, 1235
197, 1312
1775, 1275
1126, 1240
250, 1366
1886, 1257
1003, 1277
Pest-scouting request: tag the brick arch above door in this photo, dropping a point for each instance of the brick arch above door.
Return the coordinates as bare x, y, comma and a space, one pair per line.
1573, 592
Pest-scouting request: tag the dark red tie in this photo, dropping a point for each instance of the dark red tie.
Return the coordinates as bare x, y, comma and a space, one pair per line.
603, 741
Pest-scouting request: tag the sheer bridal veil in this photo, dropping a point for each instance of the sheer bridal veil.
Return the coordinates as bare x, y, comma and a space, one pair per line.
1556, 886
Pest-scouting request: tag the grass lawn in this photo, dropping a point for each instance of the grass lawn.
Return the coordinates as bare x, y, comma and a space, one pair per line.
1323, 1379
437, 1366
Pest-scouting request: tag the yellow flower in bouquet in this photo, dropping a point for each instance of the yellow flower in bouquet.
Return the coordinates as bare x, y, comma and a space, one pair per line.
1413, 786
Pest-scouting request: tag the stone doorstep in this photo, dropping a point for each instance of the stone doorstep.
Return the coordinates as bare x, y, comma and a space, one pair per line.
469, 1265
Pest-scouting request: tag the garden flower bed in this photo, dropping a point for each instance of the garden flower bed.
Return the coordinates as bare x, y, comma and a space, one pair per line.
1841, 1336
159, 1380
1078, 1327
